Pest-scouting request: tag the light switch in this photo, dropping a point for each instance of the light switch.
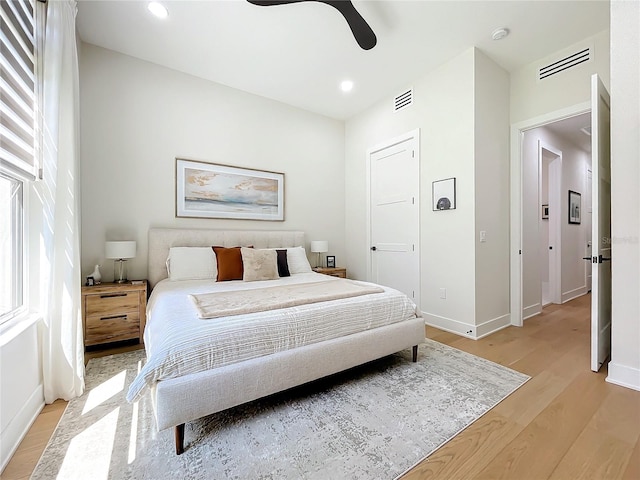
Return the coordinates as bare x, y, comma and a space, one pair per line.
483, 236
443, 293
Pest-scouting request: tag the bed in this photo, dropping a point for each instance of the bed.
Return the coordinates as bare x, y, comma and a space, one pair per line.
209, 348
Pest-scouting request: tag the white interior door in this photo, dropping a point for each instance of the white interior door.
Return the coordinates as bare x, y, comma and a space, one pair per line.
601, 224
555, 230
394, 216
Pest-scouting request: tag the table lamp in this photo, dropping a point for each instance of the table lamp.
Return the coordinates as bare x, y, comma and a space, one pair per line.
120, 252
319, 246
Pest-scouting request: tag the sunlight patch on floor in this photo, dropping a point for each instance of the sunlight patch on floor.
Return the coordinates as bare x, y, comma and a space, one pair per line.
133, 437
105, 391
95, 442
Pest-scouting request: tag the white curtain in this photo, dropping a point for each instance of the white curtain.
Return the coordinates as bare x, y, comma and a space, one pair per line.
61, 332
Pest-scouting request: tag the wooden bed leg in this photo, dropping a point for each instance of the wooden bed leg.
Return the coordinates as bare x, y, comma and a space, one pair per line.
415, 355
179, 430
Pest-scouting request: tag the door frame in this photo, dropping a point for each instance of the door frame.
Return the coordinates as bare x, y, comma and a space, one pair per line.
517, 133
415, 135
555, 222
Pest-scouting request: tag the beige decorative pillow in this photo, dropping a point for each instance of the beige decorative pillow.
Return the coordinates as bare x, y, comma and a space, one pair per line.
259, 264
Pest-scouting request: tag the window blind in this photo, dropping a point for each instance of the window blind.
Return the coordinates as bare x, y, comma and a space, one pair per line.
18, 88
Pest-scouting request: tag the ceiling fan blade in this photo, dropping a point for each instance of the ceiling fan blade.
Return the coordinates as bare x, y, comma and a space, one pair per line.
268, 3
359, 27
361, 30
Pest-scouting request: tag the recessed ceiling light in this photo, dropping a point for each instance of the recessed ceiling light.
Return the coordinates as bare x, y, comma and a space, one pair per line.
158, 9
500, 33
346, 86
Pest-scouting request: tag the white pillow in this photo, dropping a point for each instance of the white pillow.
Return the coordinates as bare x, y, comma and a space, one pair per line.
192, 263
297, 260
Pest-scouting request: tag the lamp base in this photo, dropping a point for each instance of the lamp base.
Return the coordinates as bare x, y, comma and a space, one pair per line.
120, 271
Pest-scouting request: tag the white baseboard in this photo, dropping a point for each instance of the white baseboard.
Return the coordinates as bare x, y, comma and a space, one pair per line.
473, 332
450, 325
624, 376
575, 293
18, 427
493, 325
531, 311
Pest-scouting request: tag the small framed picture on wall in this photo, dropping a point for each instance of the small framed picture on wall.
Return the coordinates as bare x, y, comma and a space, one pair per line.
331, 261
444, 194
574, 207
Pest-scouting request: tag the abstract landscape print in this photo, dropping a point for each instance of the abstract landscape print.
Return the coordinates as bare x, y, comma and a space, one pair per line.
220, 191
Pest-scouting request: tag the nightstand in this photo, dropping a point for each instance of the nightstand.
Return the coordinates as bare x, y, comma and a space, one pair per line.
332, 271
112, 312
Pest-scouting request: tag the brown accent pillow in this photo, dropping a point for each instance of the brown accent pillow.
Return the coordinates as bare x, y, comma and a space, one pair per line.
229, 261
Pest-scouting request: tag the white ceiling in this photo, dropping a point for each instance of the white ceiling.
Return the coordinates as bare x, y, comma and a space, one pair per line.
298, 54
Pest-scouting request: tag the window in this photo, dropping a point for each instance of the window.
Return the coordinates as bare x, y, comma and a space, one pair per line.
19, 87
11, 246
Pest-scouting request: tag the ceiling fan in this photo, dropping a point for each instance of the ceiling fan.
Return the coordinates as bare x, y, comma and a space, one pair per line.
359, 27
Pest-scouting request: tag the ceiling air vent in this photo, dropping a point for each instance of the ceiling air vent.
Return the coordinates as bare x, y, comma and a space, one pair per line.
403, 100
582, 56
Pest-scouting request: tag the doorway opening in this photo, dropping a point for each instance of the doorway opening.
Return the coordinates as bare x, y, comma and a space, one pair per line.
550, 156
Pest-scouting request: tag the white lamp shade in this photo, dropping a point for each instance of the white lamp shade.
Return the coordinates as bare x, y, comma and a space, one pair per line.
319, 246
118, 250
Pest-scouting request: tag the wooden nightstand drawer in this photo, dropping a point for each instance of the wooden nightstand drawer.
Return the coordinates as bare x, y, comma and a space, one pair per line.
111, 327
112, 312
112, 303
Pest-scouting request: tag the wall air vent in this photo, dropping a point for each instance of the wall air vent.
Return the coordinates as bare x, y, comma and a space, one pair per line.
570, 61
404, 100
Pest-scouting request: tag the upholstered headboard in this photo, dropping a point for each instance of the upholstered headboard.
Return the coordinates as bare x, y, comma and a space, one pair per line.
162, 239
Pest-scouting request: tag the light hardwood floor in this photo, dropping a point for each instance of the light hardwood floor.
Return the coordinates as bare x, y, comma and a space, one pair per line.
564, 423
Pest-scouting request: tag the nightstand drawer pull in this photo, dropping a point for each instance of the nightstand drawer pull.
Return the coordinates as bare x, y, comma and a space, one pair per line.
110, 295
114, 317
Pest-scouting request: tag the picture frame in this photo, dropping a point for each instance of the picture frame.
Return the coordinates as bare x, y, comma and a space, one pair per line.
574, 207
90, 282
545, 212
331, 261
212, 190
444, 194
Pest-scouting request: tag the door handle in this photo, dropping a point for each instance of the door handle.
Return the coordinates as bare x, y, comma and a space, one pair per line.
603, 259
586, 258
373, 248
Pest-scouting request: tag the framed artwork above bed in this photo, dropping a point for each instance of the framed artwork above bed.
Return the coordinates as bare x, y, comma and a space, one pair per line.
211, 190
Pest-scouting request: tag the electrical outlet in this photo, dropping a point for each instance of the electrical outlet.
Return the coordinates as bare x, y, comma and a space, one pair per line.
443, 293
469, 332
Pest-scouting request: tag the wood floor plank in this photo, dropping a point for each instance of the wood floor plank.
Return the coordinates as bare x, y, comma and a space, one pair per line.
470, 452
632, 471
543, 443
606, 445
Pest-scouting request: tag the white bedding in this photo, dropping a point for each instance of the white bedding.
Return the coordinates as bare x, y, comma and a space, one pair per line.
179, 343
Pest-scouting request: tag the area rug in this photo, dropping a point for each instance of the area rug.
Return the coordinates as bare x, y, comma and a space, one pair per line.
373, 422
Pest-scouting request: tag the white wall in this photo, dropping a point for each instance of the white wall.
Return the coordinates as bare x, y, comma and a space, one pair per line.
21, 394
573, 237
442, 110
491, 102
458, 140
531, 98
137, 117
624, 368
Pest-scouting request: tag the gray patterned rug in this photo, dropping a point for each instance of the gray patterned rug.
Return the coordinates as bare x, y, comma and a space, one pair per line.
372, 422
